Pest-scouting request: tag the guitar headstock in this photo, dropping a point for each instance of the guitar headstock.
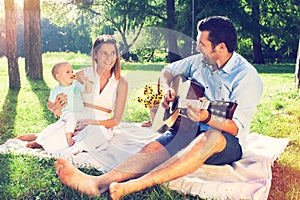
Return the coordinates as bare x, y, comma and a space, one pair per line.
222, 108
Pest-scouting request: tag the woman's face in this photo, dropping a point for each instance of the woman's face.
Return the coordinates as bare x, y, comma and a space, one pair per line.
106, 56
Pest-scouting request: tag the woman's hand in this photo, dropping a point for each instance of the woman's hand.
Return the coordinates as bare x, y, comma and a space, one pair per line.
60, 102
83, 123
57, 112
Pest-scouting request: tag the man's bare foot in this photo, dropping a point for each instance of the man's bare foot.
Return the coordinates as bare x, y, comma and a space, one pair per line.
33, 145
70, 176
116, 191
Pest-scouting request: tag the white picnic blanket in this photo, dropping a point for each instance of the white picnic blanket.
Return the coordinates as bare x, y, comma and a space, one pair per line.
248, 178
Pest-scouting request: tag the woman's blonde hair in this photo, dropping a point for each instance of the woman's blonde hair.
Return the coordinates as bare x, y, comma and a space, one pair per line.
107, 39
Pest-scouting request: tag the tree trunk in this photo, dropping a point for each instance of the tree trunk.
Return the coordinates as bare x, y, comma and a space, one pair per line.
258, 57
172, 39
32, 37
297, 68
11, 45
26, 35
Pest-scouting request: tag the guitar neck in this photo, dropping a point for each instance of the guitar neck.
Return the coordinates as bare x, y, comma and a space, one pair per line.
202, 104
220, 108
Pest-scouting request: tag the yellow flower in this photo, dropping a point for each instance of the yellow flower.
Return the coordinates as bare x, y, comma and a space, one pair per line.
152, 97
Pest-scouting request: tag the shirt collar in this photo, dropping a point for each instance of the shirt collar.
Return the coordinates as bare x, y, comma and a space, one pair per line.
228, 66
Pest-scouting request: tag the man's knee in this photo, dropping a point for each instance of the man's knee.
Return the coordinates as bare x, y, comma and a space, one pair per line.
153, 147
212, 142
217, 138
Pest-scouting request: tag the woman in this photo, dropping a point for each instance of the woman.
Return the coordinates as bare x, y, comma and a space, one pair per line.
104, 106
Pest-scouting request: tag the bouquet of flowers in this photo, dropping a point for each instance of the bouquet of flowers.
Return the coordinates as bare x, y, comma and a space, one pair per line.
152, 99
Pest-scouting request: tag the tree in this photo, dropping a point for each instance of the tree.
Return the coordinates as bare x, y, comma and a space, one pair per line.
125, 15
11, 43
258, 57
32, 39
297, 68
172, 39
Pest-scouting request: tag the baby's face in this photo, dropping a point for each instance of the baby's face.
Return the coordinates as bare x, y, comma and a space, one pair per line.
65, 75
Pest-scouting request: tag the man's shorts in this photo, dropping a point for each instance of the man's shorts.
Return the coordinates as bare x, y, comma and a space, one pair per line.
174, 140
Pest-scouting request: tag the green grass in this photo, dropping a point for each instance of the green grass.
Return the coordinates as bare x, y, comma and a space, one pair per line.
26, 177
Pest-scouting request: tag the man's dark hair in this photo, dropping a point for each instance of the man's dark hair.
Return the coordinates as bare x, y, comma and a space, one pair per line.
221, 29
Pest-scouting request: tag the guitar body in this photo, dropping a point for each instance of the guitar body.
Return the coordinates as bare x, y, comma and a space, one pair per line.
188, 91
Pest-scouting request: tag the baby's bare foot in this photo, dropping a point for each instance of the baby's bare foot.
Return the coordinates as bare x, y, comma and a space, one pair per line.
74, 178
29, 137
116, 191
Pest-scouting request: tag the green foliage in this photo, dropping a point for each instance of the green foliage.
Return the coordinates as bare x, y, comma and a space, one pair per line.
72, 25
64, 38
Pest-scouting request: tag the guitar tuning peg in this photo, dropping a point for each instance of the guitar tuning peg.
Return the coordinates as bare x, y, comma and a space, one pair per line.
220, 103
213, 103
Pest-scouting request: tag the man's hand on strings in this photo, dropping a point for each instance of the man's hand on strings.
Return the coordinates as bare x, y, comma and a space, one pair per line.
169, 96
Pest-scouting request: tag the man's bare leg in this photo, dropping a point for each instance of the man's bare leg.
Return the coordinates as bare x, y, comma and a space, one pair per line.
198, 151
74, 178
149, 157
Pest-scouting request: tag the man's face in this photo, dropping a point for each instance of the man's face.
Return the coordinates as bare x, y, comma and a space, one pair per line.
209, 54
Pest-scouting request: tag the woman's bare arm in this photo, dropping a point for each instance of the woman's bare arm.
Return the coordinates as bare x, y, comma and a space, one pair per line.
121, 99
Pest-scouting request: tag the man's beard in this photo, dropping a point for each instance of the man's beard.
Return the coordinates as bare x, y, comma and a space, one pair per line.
206, 59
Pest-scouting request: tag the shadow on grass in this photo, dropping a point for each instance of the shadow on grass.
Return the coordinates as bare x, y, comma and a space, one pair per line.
279, 68
7, 123
284, 182
8, 115
42, 91
5, 176
287, 68
143, 66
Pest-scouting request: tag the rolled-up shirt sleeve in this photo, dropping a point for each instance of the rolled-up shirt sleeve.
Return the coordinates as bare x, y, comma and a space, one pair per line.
247, 93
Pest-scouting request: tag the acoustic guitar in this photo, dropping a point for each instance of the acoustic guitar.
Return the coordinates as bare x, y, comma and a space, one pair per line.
188, 91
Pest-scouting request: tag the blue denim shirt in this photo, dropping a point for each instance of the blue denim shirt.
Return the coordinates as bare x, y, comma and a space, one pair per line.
238, 81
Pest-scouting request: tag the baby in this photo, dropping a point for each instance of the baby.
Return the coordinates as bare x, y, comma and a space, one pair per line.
63, 73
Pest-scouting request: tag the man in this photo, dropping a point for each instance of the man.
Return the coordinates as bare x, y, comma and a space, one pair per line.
226, 76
